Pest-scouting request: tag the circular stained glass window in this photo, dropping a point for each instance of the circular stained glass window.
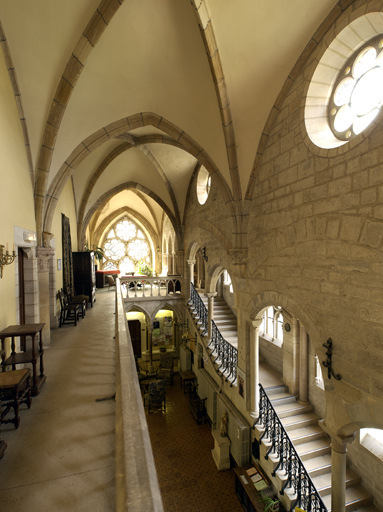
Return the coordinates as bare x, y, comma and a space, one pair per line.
357, 95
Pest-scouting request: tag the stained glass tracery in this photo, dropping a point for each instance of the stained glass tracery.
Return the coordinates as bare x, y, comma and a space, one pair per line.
125, 246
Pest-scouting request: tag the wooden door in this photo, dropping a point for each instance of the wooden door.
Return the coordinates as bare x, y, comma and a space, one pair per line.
20, 262
135, 334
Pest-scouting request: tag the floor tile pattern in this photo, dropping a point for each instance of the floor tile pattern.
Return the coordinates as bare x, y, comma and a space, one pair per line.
188, 477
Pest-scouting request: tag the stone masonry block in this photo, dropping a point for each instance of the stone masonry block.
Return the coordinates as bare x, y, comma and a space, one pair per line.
332, 230
95, 28
136, 121
96, 139
108, 9
82, 50
351, 228
64, 90
369, 196
170, 129
372, 233
72, 71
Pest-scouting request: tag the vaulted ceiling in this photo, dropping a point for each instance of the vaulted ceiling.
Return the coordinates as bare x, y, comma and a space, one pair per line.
126, 97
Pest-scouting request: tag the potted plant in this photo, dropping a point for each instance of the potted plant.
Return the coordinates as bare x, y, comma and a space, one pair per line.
98, 252
143, 269
270, 503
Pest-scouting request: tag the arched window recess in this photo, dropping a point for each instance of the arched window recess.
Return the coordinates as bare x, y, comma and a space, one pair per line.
126, 246
271, 327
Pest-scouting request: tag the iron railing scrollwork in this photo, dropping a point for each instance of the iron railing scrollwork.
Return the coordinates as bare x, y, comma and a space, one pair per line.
224, 353
298, 479
199, 308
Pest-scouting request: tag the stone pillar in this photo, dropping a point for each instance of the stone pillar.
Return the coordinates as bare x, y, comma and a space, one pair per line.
254, 369
303, 365
338, 472
179, 268
158, 268
210, 313
150, 347
338, 468
191, 264
43, 256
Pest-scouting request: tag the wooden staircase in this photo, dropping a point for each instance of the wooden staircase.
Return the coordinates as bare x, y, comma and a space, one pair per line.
313, 447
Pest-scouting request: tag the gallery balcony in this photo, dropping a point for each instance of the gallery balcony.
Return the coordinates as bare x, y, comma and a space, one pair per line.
142, 288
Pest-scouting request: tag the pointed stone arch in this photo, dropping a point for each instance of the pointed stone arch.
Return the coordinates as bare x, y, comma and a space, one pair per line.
99, 204
120, 129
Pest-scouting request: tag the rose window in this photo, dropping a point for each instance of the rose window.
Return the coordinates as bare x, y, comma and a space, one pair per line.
357, 95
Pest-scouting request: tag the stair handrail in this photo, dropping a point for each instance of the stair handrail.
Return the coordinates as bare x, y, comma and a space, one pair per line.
200, 308
225, 353
307, 496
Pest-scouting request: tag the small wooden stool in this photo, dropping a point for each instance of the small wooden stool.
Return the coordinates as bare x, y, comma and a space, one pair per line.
15, 389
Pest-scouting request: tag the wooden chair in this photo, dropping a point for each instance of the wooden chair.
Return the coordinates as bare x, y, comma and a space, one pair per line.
69, 313
77, 298
166, 367
155, 398
80, 301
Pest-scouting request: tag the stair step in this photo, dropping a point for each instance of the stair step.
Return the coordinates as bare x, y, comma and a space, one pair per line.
294, 422
323, 482
275, 390
282, 398
356, 498
291, 409
309, 433
367, 508
318, 465
313, 448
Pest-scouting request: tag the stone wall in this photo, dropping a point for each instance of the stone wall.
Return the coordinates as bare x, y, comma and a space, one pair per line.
314, 240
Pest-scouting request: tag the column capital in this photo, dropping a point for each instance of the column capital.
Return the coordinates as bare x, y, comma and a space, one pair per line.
43, 255
191, 262
256, 323
211, 295
338, 443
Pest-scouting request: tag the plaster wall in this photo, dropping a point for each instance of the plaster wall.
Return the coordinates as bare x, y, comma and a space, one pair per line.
16, 204
65, 205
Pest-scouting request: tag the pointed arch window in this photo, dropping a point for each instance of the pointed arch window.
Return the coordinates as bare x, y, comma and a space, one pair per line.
125, 246
272, 323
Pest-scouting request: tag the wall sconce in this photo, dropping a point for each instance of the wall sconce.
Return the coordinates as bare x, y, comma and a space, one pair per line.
29, 237
204, 254
6, 259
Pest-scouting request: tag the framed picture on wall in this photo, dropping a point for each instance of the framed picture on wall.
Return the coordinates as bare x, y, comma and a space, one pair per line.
241, 378
58, 264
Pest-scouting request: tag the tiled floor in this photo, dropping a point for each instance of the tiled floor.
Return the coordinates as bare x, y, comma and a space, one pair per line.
188, 477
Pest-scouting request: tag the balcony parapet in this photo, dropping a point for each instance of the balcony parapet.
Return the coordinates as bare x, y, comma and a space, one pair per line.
147, 288
137, 486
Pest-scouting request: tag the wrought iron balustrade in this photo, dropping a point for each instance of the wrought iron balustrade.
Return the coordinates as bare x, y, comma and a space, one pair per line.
298, 479
225, 354
199, 308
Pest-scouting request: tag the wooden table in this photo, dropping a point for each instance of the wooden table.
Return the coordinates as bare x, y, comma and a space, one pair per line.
27, 354
15, 389
187, 377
